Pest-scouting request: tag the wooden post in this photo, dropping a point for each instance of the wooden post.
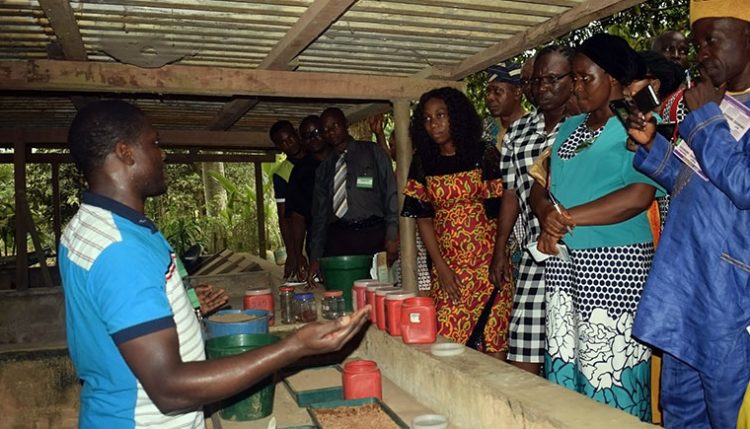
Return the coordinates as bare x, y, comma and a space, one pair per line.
259, 209
407, 226
19, 181
56, 216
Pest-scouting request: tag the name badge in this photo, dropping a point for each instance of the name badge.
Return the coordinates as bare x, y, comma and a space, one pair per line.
364, 182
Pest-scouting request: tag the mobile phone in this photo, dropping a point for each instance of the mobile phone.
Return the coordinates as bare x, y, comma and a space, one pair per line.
667, 130
621, 109
646, 99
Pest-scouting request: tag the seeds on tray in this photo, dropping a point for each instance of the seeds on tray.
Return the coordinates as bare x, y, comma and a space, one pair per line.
352, 417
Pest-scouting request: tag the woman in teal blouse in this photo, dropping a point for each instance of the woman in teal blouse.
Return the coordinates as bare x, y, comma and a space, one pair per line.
591, 299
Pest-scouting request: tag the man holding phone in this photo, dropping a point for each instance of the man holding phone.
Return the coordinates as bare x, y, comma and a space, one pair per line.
695, 303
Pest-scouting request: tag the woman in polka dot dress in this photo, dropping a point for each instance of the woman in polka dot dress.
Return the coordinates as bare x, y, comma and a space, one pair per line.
591, 300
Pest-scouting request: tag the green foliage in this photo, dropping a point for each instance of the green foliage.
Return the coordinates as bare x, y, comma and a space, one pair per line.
640, 24
181, 212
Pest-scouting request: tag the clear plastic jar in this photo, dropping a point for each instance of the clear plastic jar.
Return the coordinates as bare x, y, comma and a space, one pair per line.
304, 307
332, 306
286, 304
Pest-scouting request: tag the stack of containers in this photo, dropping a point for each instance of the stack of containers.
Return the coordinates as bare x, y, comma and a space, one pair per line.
393, 301
379, 308
370, 298
359, 292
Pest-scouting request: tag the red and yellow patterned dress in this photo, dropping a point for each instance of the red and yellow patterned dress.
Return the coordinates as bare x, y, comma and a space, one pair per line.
466, 238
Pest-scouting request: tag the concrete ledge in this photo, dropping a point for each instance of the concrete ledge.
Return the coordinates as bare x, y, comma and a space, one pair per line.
477, 391
33, 317
38, 389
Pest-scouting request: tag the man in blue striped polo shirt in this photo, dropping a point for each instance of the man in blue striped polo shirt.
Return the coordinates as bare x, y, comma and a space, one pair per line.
133, 336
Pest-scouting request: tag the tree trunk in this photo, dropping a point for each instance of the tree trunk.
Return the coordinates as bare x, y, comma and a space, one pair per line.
215, 197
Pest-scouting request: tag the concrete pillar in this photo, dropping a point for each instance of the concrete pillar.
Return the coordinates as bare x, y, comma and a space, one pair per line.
407, 226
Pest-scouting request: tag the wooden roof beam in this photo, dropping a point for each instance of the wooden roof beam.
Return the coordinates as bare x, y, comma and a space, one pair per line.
65, 26
76, 76
172, 158
232, 112
316, 19
56, 137
575, 17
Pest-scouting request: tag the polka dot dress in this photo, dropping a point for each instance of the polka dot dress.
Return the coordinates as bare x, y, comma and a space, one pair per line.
579, 140
591, 303
609, 278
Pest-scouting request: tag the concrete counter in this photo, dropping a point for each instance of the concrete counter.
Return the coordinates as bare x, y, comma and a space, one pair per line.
477, 391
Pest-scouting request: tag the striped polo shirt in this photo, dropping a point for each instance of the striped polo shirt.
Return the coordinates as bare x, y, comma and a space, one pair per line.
120, 283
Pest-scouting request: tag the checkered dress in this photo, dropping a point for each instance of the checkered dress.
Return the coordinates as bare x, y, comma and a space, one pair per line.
524, 141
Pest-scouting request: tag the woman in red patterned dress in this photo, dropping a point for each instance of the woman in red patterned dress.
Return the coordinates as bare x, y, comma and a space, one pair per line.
453, 191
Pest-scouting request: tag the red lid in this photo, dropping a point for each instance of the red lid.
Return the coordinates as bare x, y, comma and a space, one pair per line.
399, 295
333, 293
383, 291
286, 289
376, 286
360, 366
364, 282
258, 291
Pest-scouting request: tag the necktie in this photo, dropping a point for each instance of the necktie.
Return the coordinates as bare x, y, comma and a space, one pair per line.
339, 188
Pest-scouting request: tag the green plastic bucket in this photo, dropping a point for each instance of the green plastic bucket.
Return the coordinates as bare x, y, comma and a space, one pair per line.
340, 272
257, 401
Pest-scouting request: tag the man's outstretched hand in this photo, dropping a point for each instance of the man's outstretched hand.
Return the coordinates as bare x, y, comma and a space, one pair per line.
330, 336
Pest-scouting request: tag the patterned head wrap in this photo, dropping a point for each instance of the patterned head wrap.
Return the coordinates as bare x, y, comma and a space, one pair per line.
504, 72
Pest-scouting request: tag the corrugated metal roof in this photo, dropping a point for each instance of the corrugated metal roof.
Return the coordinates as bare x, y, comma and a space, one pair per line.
370, 37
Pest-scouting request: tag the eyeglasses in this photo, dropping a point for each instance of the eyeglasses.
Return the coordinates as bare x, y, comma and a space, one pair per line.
549, 80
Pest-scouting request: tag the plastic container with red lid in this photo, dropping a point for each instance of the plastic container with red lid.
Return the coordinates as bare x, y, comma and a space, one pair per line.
361, 379
379, 307
418, 321
370, 298
259, 298
359, 291
393, 301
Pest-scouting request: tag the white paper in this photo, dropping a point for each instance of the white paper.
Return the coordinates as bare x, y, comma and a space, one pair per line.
685, 154
737, 115
738, 118
541, 257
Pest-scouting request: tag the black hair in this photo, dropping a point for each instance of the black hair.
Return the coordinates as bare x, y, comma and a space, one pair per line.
334, 111
465, 125
278, 126
669, 73
308, 118
98, 127
565, 51
614, 55
658, 41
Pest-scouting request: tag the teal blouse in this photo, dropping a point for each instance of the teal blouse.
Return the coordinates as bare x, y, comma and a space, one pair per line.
602, 168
